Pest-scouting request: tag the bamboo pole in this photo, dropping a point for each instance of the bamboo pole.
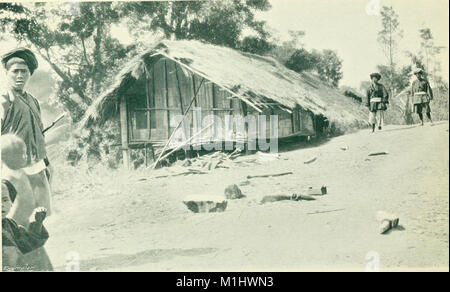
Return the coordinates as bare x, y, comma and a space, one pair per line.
124, 132
179, 124
183, 143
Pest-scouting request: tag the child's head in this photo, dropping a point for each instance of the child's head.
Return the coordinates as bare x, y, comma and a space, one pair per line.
6, 201
14, 151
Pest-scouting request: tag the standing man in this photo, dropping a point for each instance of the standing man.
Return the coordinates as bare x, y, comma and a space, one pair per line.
377, 100
421, 95
21, 115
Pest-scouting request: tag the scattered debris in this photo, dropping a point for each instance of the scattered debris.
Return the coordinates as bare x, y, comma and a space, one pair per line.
233, 192
237, 152
205, 204
294, 197
244, 183
344, 147
269, 175
316, 191
326, 211
272, 198
213, 164
212, 161
378, 153
188, 172
387, 221
311, 160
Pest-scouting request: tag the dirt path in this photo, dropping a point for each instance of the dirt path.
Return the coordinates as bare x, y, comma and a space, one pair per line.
117, 221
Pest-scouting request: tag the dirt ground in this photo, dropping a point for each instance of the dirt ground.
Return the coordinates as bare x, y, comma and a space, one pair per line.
119, 221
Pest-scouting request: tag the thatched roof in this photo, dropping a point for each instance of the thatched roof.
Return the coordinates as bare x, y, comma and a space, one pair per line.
255, 79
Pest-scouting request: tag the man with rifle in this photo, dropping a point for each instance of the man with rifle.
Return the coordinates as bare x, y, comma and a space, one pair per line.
21, 115
422, 94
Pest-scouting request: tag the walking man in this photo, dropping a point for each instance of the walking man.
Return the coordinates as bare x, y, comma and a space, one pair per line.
377, 100
421, 95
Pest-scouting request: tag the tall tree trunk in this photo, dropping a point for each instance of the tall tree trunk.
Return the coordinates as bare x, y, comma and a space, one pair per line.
96, 75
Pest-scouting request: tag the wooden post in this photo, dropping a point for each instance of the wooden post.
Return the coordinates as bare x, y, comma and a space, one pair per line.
124, 132
245, 111
166, 89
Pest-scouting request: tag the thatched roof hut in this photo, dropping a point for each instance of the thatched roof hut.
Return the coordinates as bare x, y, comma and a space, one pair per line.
170, 71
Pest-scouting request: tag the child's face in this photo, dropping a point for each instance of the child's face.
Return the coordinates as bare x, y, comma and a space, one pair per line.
6, 204
24, 156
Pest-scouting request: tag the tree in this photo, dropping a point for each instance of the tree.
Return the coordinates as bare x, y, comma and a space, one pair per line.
79, 47
329, 67
399, 79
256, 45
284, 51
389, 38
326, 64
430, 52
302, 60
216, 22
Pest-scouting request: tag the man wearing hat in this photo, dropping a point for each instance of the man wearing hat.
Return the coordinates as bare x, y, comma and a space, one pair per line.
21, 115
421, 95
377, 100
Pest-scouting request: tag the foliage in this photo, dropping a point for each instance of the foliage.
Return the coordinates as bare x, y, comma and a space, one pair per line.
329, 67
217, 22
429, 53
352, 93
77, 44
302, 60
389, 37
399, 79
326, 64
256, 45
287, 48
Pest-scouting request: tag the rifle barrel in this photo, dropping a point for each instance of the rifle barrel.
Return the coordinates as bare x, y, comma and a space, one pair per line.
53, 123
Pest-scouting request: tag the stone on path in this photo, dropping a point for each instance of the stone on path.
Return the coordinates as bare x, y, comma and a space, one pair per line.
205, 203
233, 192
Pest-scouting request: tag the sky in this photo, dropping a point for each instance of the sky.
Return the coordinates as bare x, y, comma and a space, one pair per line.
345, 26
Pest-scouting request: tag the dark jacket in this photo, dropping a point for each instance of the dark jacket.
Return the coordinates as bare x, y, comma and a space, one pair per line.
377, 91
22, 117
419, 86
18, 236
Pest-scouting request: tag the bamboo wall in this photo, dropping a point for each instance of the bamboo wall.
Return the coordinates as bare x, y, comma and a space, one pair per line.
166, 90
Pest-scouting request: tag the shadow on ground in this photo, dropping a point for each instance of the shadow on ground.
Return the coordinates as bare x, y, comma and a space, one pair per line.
131, 260
296, 143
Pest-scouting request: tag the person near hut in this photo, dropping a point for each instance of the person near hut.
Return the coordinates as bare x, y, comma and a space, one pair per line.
422, 94
20, 237
21, 115
377, 100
